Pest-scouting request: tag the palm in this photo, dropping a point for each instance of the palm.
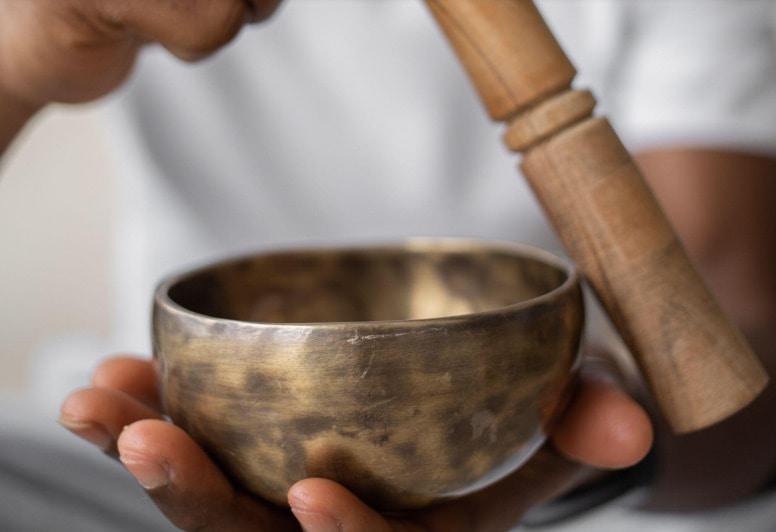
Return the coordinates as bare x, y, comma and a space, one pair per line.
192, 492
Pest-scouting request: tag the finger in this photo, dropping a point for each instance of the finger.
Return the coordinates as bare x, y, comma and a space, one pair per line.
603, 427
261, 10
98, 415
190, 29
187, 486
320, 505
136, 377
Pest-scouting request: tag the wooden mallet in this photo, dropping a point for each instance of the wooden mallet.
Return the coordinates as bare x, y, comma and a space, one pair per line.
697, 365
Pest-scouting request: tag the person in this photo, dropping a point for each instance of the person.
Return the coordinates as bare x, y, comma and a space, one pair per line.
344, 120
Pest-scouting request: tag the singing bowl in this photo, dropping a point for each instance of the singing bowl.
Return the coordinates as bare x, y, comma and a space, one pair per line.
410, 373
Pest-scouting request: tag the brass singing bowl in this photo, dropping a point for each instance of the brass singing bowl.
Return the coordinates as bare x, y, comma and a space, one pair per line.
410, 373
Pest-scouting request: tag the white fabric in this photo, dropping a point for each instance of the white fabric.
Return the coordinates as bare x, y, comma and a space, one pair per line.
352, 121
343, 120
51, 480
329, 123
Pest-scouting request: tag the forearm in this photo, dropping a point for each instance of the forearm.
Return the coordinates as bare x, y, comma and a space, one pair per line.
722, 206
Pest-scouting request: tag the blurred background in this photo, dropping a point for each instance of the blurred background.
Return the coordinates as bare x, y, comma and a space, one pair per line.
56, 196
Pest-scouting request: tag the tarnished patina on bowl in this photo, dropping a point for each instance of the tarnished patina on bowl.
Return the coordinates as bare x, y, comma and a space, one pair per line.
410, 373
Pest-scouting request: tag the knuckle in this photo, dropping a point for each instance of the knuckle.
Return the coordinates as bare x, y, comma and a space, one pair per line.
261, 10
217, 22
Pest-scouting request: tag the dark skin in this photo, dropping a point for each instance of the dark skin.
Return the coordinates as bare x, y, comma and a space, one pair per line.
721, 204
603, 428
79, 50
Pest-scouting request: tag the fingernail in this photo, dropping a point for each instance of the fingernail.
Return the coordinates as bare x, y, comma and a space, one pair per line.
94, 433
315, 522
150, 473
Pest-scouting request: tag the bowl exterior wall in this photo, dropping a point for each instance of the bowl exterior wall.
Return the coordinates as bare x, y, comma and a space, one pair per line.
403, 415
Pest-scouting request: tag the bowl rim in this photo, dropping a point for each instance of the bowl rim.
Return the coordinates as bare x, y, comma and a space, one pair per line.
162, 299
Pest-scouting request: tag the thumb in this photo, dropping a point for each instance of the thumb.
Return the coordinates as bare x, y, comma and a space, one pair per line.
603, 427
322, 505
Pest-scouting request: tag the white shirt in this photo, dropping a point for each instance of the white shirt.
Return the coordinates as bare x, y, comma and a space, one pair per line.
341, 120
345, 120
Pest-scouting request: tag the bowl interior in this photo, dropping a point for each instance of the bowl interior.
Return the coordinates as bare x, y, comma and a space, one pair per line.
375, 284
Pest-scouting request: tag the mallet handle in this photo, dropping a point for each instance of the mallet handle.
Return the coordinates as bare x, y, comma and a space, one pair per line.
696, 363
